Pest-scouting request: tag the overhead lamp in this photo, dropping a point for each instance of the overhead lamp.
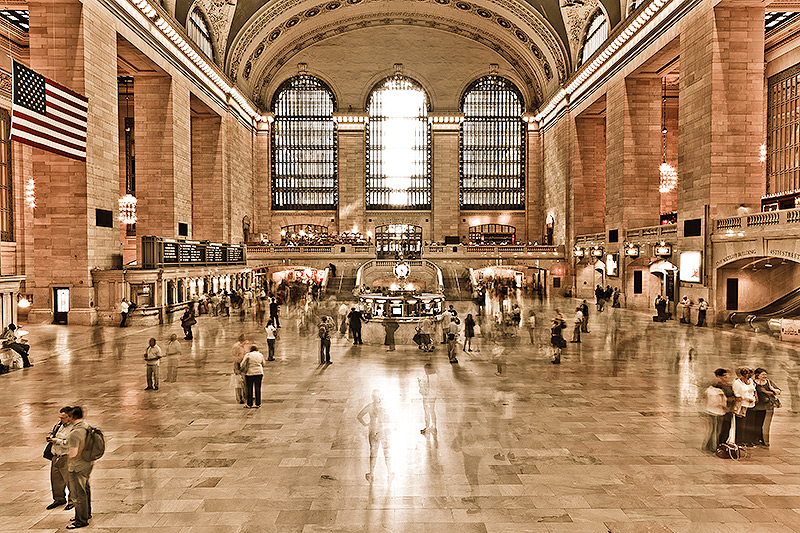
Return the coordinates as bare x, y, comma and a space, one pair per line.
578, 252
632, 250
597, 251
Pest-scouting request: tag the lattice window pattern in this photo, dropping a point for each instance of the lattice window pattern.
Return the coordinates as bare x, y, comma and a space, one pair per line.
492, 146
783, 131
304, 145
199, 33
6, 183
595, 36
398, 146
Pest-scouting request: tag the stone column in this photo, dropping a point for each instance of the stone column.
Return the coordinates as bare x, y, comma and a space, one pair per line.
352, 160
163, 146
207, 179
262, 179
71, 43
588, 189
446, 179
721, 111
633, 153
534, 219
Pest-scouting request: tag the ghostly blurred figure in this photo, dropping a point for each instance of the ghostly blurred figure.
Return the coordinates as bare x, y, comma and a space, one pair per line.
427, 388
378, 433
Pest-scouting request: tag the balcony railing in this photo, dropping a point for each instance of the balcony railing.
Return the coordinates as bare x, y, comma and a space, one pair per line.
651, 233
269, 251
769, 219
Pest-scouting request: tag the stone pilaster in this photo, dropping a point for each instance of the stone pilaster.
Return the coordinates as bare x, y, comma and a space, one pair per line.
446, 181
534, 219
207, 179
352, 160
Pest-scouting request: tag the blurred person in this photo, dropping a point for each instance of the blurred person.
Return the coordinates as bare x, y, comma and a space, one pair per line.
342, 312
585, 310
187, 321
237, 354
469, 332
767, 395
378, 434
446, 319
324, 334
59, 472
252, 367
531, 323
557, 341
599, 296
745, 390
578, 322
714, 410
274, 312
702, 309
79, 469
152, 358
172, 354
390, 326
452, 339
722, 382
427, 389
272, 336
426, 331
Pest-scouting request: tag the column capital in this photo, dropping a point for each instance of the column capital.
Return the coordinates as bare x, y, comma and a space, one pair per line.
531, 122
447, 121
351, 120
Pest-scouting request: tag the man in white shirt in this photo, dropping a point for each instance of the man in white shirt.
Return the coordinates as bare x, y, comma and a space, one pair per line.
123, 310
452, 339
576, 330
173, 353
152, 357
271, 337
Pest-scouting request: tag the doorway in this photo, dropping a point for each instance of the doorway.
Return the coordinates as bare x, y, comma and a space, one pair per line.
732, 294
60, 305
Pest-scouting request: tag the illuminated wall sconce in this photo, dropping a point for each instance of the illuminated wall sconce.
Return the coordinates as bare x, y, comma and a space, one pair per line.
632, 250
579, 252
597, 251
127, 209
30, 193
663, 249
762, 153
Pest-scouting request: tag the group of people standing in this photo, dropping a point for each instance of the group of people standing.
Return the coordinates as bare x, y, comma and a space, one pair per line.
741, 411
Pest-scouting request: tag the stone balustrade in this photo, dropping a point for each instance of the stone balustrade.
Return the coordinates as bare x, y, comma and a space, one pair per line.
738, 226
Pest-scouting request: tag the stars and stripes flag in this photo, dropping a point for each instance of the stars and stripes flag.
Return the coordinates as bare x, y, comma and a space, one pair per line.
48, 115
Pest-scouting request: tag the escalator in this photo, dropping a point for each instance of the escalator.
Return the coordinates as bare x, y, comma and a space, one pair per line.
787, 306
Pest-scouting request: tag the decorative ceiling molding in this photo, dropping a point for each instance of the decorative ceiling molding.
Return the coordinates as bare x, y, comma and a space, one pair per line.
265, 24
520, 64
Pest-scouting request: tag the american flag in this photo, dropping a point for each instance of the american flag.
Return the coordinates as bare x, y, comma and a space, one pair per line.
48, 115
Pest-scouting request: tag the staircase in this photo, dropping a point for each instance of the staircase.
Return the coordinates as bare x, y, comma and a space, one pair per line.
456, 283
341, 287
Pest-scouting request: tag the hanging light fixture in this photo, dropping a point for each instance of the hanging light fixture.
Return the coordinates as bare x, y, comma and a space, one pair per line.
127, 209
668, 176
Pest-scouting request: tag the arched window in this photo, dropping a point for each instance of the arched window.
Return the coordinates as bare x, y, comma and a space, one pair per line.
595, 36
398, 146
199, 33
303, 145
492, 146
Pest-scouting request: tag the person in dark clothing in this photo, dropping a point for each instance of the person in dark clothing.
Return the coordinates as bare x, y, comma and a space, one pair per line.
9, 338
557, 340
723, 382
355, 319
390, 325
274, 310
332, 268
599, 295
187, 321
584, 307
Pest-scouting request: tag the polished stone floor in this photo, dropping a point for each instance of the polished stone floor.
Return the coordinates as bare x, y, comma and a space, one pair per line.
607, 441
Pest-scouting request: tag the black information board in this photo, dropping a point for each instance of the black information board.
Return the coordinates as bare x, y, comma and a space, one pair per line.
235, 254
170, 252
215, 254
190, 253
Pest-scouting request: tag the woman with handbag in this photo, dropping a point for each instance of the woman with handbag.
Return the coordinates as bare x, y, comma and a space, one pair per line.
745, 390
252, 366
768, 400
557, 341
187, 321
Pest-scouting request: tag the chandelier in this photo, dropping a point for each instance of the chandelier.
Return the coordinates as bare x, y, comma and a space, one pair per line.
668, 176
127, 209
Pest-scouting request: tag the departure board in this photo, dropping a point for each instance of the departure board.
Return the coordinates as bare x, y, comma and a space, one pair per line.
190, 253
170, 252
157, 251
215, 254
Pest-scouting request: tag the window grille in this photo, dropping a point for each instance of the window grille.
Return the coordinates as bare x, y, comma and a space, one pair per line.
398, 146
6, 197
16, 17
773, 19
492, 146
393, 240
783, 131
199, 33
596, 35
304, 145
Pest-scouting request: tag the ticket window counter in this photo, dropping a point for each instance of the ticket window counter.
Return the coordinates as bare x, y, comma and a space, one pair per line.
60, 305
142, 294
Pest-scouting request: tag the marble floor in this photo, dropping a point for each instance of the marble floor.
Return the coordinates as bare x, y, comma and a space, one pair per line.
609, 441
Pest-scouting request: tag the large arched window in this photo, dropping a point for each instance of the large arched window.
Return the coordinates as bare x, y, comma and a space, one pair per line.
595, 36
398, 146
492, 146
199, 32
303, 145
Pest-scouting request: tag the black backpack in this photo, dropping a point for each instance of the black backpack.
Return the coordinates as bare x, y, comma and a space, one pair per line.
95, 445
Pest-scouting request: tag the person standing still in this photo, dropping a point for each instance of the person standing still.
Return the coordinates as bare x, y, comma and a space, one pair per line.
324, 334
152, 357
355, 319
452, 339
59, 473
271, 338
252, 366
686, 305
532, 326
123, 311
79, 469
585, 310
576, 330
702, 308
171, 356
274, 311
187, 321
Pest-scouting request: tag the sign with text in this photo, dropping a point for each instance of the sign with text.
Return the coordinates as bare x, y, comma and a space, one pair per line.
790, 330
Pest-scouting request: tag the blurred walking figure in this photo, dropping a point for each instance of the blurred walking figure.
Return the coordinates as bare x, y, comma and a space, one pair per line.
237, 354
576, 330
272, 335
767, 394
59, 473
378, 434
557, 341
324, 334
187, 321
343, 310
152, 358
469, 332
427, 389
171, 356
585, 310
715, 409
532, 326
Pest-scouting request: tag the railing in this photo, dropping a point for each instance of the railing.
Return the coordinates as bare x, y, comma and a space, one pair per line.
372, 264
270, 251
590, 238
651, 232
757, 220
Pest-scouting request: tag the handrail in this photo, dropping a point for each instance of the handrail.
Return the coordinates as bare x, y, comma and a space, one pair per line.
757, 220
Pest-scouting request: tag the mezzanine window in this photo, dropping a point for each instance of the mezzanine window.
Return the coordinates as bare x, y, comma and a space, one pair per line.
783, 131
595, 36
304, 145
398, 146
199, 33
492, 146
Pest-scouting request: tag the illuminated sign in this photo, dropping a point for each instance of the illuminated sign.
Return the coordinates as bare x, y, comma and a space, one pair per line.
690, 264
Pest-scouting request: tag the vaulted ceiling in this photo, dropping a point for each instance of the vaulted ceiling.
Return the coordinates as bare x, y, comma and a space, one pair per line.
539, 39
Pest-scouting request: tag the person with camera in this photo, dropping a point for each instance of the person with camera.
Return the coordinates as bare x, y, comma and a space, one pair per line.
59, 475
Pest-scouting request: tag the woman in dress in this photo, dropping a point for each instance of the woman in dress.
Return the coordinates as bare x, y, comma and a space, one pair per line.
469, 332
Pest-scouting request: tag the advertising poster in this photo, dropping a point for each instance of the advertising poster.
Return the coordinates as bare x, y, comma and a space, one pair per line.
690, 266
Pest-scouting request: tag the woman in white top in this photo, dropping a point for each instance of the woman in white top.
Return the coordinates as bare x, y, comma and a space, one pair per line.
272, 335
252, 366
744, 388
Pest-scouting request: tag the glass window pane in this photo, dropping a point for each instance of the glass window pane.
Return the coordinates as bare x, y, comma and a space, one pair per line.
304, 145
492, 146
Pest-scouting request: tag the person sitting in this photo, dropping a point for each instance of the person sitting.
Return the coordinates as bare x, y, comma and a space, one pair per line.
9, 338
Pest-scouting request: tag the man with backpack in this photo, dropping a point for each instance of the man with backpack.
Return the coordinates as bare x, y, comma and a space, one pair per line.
324, 334
86, 444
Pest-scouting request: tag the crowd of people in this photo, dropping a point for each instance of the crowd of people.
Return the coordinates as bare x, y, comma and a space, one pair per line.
322, 239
